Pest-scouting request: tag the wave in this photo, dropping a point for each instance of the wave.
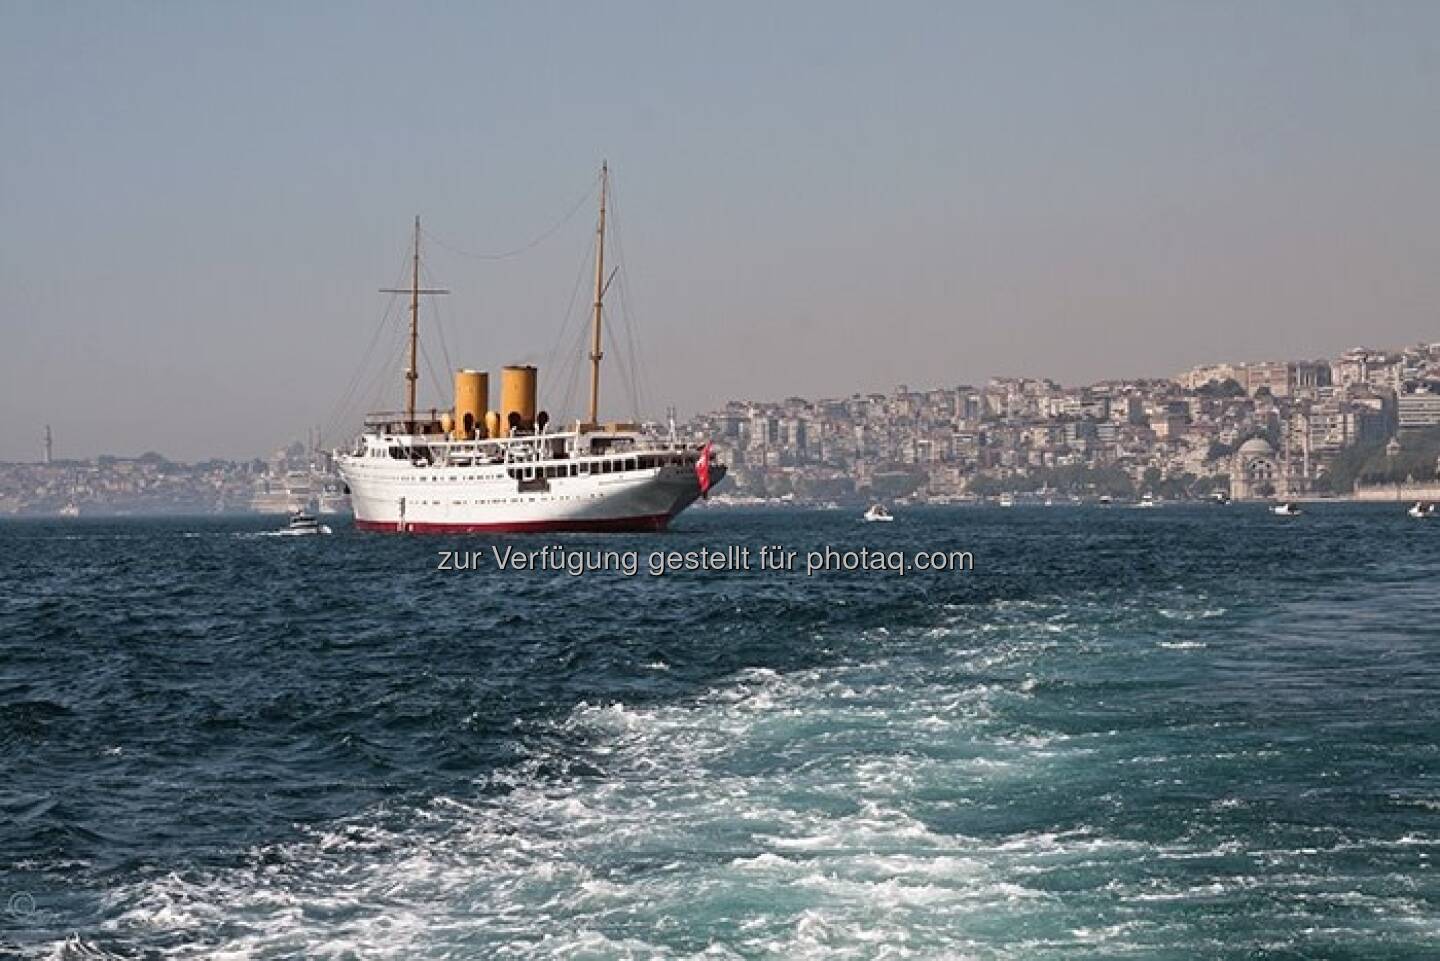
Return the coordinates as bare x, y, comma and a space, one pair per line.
856, 810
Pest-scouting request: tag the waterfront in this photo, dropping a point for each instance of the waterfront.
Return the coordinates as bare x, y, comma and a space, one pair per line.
1184, 732
1366, 425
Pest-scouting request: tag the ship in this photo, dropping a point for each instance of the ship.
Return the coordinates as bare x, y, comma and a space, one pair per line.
477, 469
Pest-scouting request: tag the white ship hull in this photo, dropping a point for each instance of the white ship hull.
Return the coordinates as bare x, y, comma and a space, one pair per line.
396, 496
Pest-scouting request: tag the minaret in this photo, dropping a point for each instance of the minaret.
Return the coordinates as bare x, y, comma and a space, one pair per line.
1305, 452
49, 445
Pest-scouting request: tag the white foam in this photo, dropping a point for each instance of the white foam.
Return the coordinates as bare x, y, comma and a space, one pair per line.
809, 814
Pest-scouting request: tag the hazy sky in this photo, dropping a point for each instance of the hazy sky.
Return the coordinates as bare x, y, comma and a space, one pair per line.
198, 201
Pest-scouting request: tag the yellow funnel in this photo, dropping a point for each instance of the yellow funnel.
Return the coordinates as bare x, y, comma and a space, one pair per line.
472, 402
517, 397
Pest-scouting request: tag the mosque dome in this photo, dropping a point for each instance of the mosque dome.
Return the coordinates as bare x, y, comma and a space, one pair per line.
1257, 445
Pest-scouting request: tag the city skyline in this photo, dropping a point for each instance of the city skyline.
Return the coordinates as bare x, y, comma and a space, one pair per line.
1192, 377
1363, 424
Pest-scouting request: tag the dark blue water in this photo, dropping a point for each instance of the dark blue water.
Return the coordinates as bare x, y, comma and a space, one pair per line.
1179, 733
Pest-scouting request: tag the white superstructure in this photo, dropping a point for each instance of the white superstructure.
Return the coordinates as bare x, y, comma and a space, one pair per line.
603, 480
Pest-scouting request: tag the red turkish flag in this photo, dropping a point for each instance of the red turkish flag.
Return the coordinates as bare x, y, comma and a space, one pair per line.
702, 469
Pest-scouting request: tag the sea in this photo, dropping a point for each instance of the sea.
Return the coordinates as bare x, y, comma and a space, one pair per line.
1193, 732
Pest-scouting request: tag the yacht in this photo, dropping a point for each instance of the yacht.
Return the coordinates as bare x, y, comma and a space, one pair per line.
474, 469
878, 514
304, 523
1422, 510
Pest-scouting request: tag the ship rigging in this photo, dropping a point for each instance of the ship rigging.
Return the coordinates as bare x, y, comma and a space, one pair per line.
472, 468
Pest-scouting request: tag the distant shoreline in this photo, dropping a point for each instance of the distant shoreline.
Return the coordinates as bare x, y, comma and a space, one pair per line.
1402, 494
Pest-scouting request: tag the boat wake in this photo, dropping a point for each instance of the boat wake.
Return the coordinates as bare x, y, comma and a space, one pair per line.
856, 810
322, 529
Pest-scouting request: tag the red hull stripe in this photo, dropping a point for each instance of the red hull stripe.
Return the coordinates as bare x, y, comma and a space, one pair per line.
655, 522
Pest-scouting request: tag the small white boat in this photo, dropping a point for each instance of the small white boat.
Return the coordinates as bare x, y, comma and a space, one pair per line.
1287, 509
877, 513
1007, 500
1147, 500
1422, 510
302, 523
1106, 500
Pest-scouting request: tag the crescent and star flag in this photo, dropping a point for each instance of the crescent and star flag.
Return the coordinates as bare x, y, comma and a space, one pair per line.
702, 470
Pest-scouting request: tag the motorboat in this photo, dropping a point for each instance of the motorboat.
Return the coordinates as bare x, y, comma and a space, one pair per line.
1422, 510
1147, 500
878, 514
302, 523
1287, 509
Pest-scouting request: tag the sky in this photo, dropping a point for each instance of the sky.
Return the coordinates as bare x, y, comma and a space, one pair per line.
199, 201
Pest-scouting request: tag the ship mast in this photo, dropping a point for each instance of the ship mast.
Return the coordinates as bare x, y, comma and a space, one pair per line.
412, 369
595, 352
